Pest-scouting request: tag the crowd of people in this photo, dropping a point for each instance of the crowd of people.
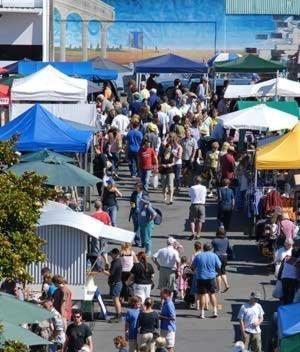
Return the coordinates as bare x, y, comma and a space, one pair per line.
173, 143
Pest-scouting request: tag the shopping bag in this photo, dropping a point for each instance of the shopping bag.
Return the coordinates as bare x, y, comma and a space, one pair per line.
278, 291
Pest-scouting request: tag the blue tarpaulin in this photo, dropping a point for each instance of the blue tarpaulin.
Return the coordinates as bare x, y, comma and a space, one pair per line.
169, 63
39, 129
84, 69
14, 67
288, 320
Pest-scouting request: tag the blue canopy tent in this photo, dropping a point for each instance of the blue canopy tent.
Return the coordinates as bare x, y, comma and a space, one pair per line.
40, 129
14, 67
84, 69
169, 63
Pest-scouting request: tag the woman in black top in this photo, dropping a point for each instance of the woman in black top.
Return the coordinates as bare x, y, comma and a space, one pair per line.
221, 248
166, 169
141, 276
147, 325
109, 200
99, 165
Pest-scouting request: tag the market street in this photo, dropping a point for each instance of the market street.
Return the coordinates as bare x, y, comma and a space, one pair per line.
213, 335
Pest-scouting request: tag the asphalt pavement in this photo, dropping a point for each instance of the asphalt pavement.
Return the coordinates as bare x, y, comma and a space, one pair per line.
247, 273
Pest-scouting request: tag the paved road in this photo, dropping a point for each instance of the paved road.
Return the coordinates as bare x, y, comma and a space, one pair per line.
246, 274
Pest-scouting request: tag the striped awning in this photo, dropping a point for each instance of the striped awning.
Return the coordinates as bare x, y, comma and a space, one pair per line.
262, 7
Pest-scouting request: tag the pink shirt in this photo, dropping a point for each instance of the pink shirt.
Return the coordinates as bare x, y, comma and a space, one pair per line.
287, 227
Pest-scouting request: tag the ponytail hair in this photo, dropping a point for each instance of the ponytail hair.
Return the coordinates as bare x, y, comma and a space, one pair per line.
143, 259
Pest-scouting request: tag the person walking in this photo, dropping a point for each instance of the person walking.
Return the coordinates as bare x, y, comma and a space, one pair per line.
109, 200
206, 266
99, 167
147, 162
134, 140
146, 216
148, 325
168, 320
221, 248
78, 334
211, 163
197, 195
62, 298
251, 316
128, 258
131, 322
135, 200
225, 204
141, 276
166, 169
115, 283
167, 261
189, 148
173, 139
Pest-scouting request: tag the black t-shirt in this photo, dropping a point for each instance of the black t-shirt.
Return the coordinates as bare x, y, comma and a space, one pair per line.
115, 271
100, 163
148, 322
109, 199
77, 336
141, 276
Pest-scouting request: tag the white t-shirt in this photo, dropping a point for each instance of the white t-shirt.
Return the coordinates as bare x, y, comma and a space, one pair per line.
249, 314
197, 194
121, 122
164, 120
173, 112
167, 257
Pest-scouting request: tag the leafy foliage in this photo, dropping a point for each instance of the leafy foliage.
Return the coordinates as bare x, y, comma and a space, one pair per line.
20, 202
14, 346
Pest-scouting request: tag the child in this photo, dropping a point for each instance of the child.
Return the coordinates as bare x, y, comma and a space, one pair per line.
131, 323
182, 280
161, 344
120, 344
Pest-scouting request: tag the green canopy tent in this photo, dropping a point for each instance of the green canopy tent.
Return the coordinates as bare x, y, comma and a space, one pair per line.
58, 173
249, 63
44, 155
17, 312
290, 107
8, 81
11, 332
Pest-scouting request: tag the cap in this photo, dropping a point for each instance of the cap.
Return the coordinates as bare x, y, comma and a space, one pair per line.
254, 295
171, 240
110, 181
204, 130
114, 251
151, 127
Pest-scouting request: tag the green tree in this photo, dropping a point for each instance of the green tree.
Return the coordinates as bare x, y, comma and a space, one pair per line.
20, 202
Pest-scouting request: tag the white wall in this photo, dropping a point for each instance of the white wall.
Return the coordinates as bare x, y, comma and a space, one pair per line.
21, 29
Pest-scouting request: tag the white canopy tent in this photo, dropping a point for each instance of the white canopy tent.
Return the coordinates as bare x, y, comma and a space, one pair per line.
259, 117
85, 223
49, 84
281, 87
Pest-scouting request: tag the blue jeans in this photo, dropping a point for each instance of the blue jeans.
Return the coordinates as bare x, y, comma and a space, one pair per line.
136, 228
146, 231
145, 178
133, 163
112, 211
177, 171
115, 162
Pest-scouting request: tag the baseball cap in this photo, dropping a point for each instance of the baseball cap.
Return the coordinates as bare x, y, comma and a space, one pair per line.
255, 295
171, 240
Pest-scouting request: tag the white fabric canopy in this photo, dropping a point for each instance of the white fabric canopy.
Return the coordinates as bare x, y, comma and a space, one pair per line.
49, 84
85, 223
277, 86
259, 117
83, 113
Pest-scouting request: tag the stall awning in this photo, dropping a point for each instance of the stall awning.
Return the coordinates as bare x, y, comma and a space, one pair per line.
283, 154
84, 69
290, 107
249, 63
169, 63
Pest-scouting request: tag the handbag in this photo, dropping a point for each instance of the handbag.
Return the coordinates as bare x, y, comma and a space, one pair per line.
278, 290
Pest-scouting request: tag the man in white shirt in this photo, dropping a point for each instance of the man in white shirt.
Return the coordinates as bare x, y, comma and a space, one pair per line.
251, 316
164, 121
144, 91
197, 194
173, 111
167, 261
121, 122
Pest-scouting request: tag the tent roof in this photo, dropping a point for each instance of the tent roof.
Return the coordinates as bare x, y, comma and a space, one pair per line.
40, 129
249, 63
49, 84
101, 63
169, 63
290, 107
14, 67
277, 86
288, 320
283, 154
82, 69
259, 117
85, 223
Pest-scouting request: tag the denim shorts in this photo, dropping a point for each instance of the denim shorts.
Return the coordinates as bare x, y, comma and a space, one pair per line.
115, 289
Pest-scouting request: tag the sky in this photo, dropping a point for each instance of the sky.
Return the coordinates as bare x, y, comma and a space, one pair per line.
234, 32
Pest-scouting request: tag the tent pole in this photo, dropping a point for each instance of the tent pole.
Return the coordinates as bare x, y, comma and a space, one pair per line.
276, 87
85, 188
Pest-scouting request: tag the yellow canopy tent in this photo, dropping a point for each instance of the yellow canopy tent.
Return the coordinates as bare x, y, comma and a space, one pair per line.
283, 154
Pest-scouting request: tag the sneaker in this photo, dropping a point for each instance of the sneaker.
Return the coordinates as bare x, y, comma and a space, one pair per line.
202, 316
192, 237
215, 315
210, 195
